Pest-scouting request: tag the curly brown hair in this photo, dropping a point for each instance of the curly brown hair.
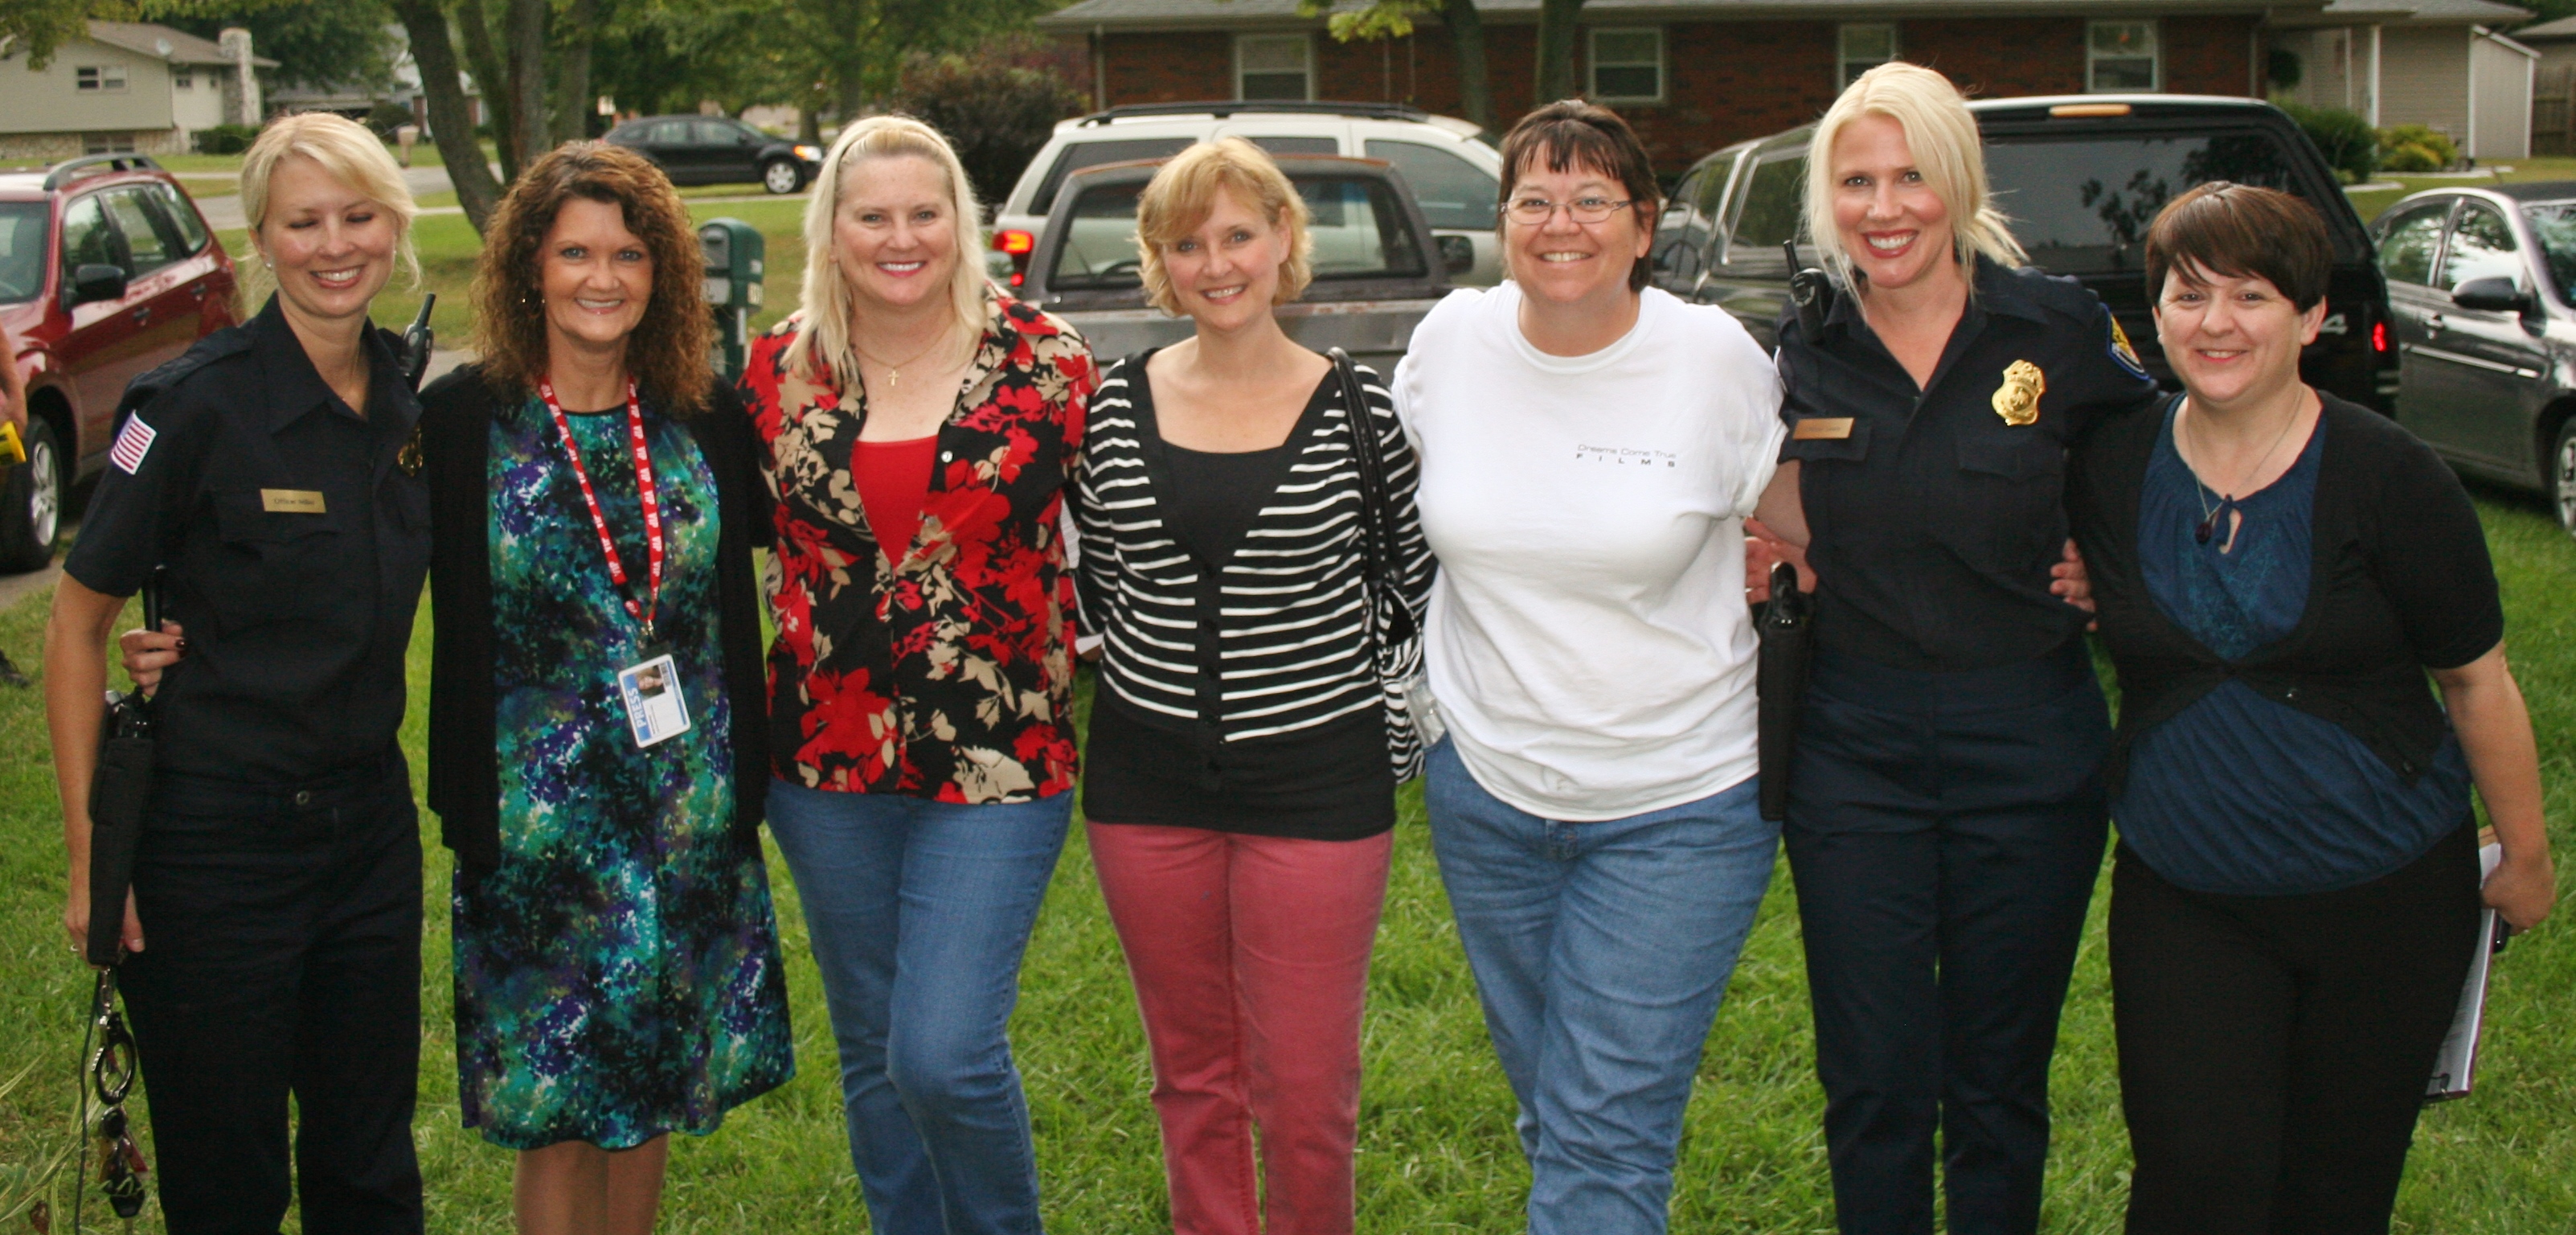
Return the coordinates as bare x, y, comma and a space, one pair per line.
667, 353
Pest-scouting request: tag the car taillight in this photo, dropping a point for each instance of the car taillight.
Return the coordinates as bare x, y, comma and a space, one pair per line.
1018, 244
2379, 336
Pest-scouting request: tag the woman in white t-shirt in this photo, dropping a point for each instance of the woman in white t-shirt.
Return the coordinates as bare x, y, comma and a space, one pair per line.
1590, 448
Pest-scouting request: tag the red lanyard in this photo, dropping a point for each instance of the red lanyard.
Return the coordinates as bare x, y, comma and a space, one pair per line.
643, 485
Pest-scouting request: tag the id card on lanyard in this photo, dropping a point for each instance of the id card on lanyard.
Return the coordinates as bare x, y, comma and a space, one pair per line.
649, 688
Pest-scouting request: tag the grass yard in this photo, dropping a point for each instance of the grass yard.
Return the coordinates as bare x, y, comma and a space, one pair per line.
1436, 1147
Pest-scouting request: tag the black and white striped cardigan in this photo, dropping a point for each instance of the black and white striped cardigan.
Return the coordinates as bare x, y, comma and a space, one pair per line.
1294, 648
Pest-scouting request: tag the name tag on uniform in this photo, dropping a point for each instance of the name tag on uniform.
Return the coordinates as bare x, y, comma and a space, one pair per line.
1821, 429
651, 691
290, 501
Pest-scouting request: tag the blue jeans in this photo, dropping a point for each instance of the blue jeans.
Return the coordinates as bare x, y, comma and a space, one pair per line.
919, 912
1600, 952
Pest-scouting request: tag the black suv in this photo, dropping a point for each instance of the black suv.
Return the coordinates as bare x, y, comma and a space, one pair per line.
2080, 177
719, 150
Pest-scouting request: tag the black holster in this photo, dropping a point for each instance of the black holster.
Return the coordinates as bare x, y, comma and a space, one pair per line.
1788, 631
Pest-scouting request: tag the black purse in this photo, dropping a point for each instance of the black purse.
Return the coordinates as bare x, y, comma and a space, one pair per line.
1788, 631
1395, 641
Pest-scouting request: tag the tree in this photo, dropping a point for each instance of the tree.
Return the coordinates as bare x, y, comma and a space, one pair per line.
996, 113
320, 45
1556, 31
1393, 19
451, 124
37, 27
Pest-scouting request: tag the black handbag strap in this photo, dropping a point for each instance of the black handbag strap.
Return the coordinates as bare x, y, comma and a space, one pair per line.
1377, 521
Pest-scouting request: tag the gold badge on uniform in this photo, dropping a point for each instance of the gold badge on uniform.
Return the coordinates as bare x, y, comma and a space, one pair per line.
1822, 429
2017, 400
291, 502
409, 459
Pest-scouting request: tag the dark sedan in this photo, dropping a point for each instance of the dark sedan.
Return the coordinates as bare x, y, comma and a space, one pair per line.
720, 150
2483, 286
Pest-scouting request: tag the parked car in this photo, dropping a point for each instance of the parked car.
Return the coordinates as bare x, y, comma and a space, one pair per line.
1456, 178
720, 150
1377, 267
2080, 177
107, 269
2482, 283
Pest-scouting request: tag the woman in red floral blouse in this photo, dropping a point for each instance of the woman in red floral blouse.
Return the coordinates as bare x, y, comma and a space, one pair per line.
919, 427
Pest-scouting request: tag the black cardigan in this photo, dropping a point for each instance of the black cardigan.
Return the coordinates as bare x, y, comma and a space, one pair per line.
2400, 582
464, 762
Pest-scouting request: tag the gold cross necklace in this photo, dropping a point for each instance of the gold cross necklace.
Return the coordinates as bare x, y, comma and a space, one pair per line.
894, 372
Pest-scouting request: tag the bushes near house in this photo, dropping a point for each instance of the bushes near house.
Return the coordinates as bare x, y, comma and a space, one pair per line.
2350, 145
2415, 148
226, 138
996, 108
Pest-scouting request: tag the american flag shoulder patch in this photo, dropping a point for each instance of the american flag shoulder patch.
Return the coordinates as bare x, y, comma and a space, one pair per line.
132, 443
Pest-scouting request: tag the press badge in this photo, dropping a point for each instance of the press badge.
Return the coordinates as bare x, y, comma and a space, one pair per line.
651, 690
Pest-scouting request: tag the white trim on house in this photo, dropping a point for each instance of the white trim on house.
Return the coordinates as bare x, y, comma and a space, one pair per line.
1593, 64
1845, 61
2094, 57
1243, 66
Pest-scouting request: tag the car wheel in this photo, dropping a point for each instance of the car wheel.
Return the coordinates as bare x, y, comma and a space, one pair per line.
780, 176
2562, 475
34, 497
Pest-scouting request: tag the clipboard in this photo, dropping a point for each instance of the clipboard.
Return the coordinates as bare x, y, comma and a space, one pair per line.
2455, 1066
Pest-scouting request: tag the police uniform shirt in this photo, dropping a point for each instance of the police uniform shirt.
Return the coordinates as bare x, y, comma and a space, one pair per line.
296, 535
1936, 515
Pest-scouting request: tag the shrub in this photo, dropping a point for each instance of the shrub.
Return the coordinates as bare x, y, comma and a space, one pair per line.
2426, 144
996, 113
226, 138
386, 116
2350, 145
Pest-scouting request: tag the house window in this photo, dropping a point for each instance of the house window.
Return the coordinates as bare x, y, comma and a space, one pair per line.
183, 77
2121, 56
1274, 66
1628, 66
107, 78
1865, 46
107, 143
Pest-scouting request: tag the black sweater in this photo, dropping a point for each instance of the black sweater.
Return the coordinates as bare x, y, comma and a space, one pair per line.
2401, 582
464, 762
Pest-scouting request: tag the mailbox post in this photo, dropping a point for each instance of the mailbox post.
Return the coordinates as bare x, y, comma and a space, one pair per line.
736, 261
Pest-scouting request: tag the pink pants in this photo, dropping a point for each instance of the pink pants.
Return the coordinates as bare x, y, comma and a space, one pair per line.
1250, 956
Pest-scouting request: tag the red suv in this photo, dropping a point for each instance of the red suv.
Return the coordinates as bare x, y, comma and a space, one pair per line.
106, 270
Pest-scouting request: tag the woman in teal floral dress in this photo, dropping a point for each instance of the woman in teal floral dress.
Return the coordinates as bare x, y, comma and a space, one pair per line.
617, 965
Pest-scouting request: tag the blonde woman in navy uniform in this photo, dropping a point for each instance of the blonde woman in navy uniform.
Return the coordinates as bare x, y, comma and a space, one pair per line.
1946, 816
275, 915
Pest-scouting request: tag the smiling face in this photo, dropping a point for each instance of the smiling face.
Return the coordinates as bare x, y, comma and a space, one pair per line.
2232, 339
331, 246
1225, 272
1896, 229
1564, 261
596, 276
894, 231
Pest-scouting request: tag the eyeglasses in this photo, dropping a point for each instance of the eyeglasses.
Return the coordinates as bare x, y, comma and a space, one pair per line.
1535, 210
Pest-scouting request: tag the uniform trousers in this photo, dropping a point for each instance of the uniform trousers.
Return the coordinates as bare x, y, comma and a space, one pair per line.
1945, 831
1250, 956
2274, 1050
281, 929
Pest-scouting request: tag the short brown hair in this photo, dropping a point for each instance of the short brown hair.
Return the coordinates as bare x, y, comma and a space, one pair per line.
1183, 194
1573, 133
2242, 231
668, 351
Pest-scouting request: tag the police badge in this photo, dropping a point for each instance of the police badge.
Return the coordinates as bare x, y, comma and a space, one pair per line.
2017, 400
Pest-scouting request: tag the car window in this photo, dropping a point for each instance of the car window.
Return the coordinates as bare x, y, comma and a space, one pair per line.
22, 250
1774, 198
1675, 254
670, 133
2482, 247
2082, 205
88, 240
1359, 231
1078, 155
1297, 145
2406, 244
1099, 252
190, 229
150, 245
1452, 192
2554, 225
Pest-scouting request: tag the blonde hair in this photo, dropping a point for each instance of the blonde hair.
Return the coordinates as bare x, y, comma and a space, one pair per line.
1183, 194
823, 331
1947, 151
351, 155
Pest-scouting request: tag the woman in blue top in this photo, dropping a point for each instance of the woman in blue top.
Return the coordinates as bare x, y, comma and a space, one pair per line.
2296, 899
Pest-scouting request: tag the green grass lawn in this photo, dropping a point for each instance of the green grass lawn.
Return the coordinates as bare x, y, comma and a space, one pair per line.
1436, 1148
2543, 167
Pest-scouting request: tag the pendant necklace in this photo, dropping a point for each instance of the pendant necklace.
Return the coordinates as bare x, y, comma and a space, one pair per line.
2209, 514
894, 372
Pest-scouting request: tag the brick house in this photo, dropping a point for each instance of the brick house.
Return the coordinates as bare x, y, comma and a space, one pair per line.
1691, 75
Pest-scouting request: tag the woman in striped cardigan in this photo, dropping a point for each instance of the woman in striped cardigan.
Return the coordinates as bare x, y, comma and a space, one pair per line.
1244, 746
